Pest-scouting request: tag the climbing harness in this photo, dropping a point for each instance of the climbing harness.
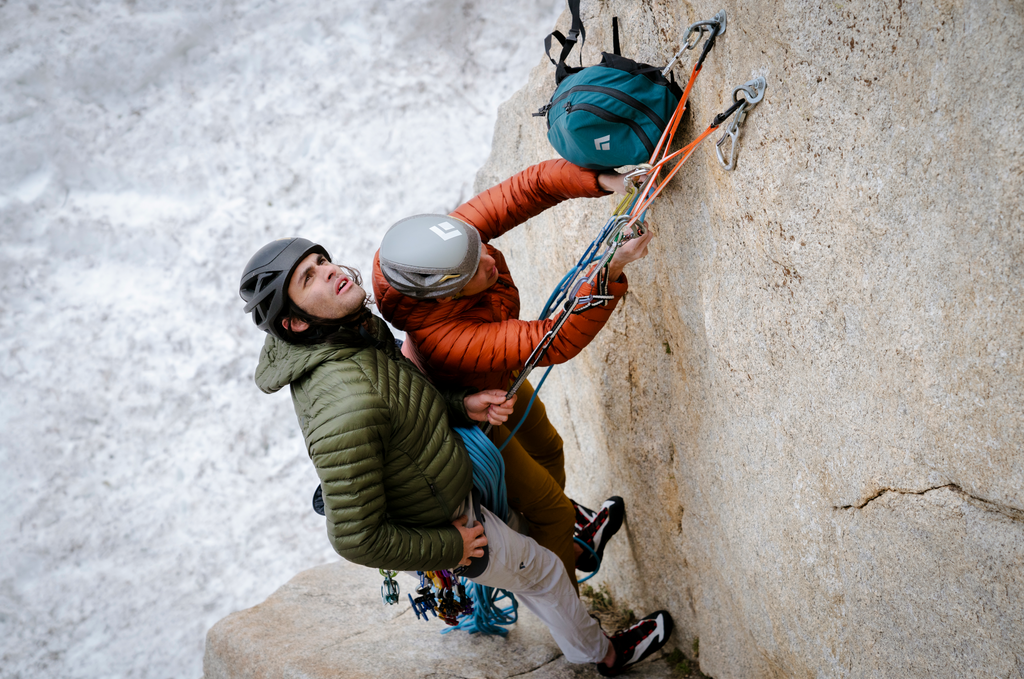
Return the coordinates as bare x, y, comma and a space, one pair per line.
461, 603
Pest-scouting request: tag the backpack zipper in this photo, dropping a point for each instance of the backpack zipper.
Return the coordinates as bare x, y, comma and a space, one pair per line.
614, 94
612, 118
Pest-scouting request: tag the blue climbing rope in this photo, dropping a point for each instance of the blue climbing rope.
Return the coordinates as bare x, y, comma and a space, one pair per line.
600, 250
487, 616
597, 559
488, 470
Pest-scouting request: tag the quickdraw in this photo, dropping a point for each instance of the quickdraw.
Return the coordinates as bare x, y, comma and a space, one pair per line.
753, 93
716, 23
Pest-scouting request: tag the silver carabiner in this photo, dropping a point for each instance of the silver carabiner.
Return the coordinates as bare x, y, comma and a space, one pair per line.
732, 131
700, 28
620, 221
636, 177
753, 93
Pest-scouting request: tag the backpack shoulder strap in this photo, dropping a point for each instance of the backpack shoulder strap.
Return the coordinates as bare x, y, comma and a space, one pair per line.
576, 33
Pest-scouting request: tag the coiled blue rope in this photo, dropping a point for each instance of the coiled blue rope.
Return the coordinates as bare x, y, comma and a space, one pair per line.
488, 470
487, 617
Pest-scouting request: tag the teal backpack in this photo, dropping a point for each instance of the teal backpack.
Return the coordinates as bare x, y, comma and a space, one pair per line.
610, 114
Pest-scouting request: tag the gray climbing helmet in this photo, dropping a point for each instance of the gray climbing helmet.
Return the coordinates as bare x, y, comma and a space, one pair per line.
264, 285
429, 256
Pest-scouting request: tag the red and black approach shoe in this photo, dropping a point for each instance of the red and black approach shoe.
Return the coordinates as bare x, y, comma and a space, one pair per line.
602, 527
635, 643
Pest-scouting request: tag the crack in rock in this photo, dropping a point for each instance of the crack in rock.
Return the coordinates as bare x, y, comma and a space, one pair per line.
1011, 512
529, 671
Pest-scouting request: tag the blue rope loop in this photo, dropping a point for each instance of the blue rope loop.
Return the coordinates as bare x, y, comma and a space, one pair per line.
558, 296
590, 549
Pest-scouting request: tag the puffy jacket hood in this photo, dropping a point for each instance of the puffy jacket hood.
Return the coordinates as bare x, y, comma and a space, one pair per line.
282, 363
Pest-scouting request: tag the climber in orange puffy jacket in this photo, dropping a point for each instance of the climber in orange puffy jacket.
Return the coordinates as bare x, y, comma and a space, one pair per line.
440, 280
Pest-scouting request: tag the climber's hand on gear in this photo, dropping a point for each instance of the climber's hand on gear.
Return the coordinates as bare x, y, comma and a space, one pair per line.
612, 181
473, 539
630, 251
489, 406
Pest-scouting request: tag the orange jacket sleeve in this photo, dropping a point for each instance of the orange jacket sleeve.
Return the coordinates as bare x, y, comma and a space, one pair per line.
467, 347
526, 194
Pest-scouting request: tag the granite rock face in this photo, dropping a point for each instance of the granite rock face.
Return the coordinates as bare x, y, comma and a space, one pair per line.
811, 396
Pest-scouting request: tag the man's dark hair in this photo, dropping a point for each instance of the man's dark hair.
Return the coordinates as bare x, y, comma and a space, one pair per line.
327, 330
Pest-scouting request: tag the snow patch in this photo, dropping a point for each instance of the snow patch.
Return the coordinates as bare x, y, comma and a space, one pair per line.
32, 186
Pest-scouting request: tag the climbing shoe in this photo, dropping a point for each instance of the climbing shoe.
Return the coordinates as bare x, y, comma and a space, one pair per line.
583, 516
596, 533
635, 643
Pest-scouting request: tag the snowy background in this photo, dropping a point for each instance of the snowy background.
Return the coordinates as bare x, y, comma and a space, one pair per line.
148, 488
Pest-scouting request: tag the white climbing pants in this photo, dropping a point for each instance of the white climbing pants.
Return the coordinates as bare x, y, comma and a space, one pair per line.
538, 579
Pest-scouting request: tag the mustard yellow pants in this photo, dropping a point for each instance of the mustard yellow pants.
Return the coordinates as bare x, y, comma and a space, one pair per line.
535, 478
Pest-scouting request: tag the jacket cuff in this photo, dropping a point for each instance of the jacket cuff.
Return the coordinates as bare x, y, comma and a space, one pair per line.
457, 415
618, 287
457, 548
595, 186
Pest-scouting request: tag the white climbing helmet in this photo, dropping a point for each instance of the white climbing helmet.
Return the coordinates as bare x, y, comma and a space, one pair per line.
430, 256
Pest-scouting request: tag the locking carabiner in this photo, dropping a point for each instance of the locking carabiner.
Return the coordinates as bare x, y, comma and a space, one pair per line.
389, 589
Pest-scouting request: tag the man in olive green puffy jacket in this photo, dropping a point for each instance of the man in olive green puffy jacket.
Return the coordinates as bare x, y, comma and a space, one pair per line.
396, 479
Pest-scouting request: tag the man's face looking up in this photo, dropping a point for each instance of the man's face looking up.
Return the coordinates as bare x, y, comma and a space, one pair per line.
322, 289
